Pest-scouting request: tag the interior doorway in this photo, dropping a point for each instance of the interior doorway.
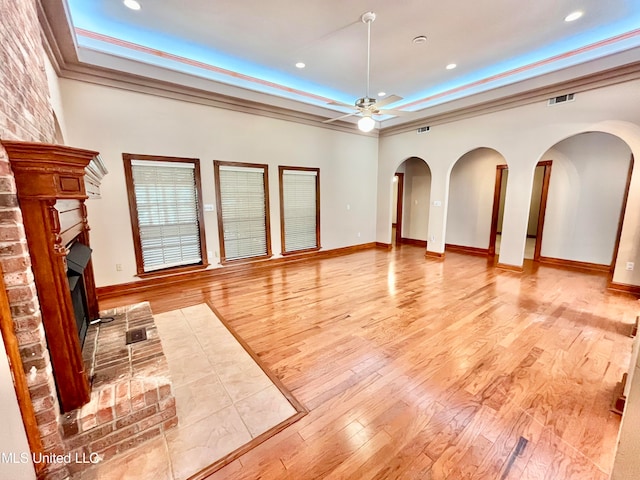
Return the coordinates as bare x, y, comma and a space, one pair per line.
537, 209
396, 220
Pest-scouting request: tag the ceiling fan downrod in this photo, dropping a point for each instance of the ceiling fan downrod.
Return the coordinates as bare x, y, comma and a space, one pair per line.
368, 18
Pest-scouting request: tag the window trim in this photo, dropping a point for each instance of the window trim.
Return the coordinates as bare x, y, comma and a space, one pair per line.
281, 170
216, 174
133, 214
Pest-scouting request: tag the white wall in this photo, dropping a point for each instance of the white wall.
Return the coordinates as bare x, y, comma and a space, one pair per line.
471, 191
586, 189
417, 191
13, 439
55, 98
114, 121
522, 135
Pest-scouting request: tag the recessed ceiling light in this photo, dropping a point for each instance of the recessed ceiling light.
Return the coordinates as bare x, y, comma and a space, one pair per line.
300, 65
420, 40
132, 4
451, 66
382, 94
573, 16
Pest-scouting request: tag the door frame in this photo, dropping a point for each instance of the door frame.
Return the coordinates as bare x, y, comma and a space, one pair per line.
399, 206
623, 210
496, 209
546, 179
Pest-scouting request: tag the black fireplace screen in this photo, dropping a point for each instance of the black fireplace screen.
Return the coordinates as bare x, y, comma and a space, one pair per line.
77, 260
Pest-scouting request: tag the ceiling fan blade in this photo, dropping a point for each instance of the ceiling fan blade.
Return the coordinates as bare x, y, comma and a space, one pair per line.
385, 111
388, 100
335, 102
340, 118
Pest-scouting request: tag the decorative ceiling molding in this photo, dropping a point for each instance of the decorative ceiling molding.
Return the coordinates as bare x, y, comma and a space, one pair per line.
528, 67
135, 83
59, 40
62, 50
193, 63
60, 46
582, 84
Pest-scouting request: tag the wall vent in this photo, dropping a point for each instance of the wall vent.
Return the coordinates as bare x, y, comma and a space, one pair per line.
569, 97
423, 130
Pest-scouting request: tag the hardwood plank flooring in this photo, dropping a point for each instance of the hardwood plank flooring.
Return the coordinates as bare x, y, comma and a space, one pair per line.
415, 368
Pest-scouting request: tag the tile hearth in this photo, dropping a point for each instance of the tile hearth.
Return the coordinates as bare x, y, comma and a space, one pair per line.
131, 396
223, 401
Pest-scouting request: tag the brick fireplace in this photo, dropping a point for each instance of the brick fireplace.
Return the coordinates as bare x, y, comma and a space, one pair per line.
109, 396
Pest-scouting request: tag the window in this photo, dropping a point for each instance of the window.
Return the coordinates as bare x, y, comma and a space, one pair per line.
166, 214
243, 210
299, 209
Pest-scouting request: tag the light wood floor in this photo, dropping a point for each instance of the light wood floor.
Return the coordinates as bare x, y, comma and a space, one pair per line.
415, 368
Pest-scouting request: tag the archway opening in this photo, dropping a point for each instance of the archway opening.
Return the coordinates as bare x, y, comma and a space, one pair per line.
470, 213
586, 202
411, 192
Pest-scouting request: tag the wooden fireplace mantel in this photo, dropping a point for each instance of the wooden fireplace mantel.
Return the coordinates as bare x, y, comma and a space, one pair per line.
51, 192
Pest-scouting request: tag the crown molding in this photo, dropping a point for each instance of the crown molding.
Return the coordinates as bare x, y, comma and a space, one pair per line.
58, 39
61, 47
160, 88
585, 83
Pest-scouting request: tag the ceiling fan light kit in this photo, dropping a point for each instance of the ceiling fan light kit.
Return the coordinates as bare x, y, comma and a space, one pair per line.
366, 124
366, 106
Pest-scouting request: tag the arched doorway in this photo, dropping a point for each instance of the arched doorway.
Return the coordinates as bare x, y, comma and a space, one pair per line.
411, 195
587, 199
471, 205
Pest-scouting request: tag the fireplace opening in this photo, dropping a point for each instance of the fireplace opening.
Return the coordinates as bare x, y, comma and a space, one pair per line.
77, 260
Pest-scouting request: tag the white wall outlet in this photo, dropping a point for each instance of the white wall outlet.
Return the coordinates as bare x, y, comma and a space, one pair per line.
630, 265
118, 267
208, 207
432, 238
358, 234
348, 207
209, 253
437, 203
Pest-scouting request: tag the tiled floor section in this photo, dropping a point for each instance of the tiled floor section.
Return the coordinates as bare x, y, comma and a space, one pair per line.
223, 399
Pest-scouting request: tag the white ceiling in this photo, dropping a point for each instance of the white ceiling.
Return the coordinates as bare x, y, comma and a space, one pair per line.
249, 48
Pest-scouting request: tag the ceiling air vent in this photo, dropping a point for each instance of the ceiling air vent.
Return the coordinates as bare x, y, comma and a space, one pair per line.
561, 99
422, 130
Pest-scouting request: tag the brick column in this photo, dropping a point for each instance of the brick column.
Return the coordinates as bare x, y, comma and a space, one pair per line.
25, 114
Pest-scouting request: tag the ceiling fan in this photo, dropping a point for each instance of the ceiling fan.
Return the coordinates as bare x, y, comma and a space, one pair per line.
367, 106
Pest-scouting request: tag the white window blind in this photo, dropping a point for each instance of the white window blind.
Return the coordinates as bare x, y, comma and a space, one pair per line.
167, 204
243, 210
300, 210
